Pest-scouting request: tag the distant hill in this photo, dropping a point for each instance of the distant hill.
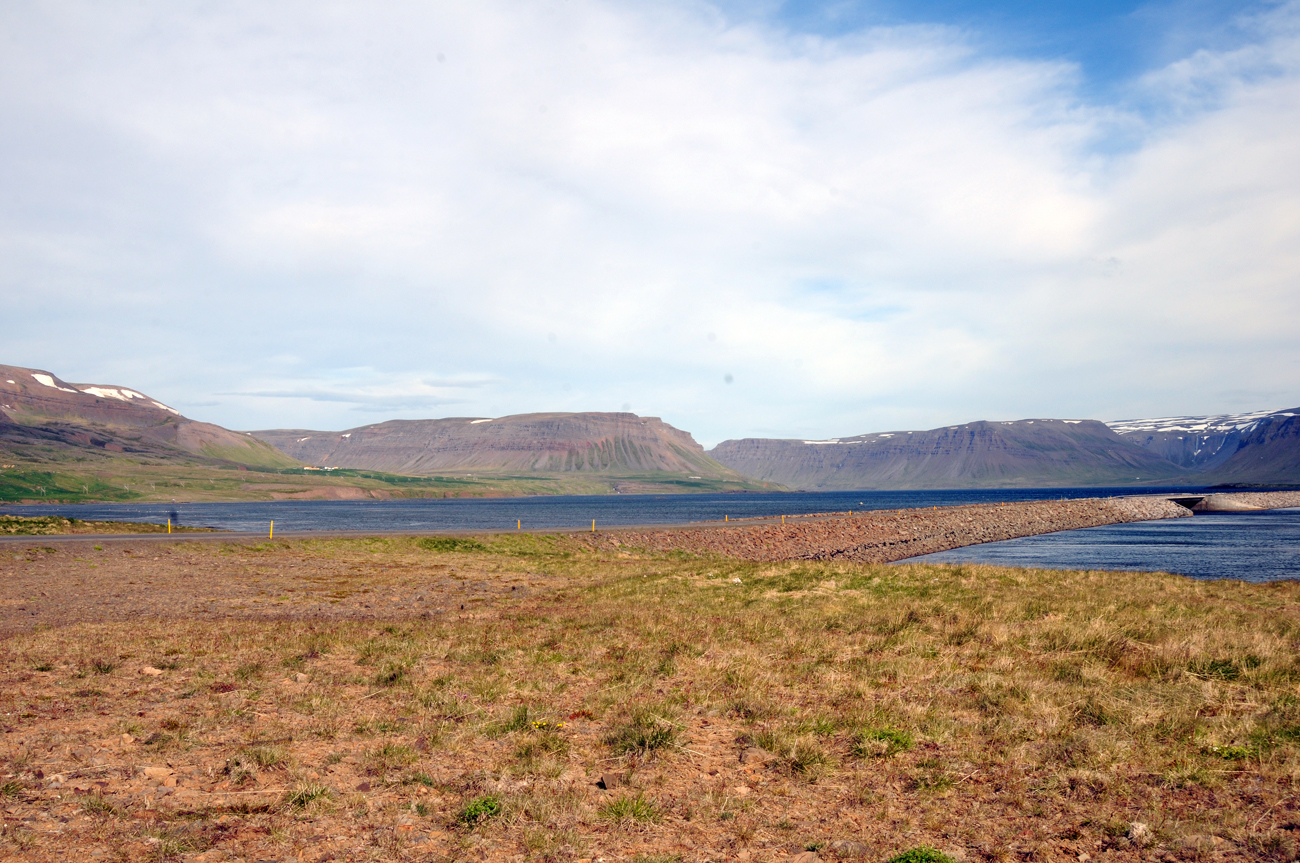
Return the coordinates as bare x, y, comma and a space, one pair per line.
47, 418
1023, 453
607, 444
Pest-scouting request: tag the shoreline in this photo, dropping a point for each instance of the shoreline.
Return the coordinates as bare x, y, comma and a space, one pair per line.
346, 494
886, 536
866, 536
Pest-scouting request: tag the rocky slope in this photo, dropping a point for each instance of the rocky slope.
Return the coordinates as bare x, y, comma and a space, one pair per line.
1024, 453
1267, 453
1202, 443
599, 443
42, 415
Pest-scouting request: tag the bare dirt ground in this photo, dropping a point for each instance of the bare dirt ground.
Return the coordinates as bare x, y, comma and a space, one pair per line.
534, 698
57, 585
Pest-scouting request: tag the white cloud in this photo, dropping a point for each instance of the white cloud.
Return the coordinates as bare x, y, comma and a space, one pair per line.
888, 229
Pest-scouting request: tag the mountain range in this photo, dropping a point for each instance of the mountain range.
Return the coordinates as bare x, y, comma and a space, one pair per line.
75, 441
1252, 449
93, 432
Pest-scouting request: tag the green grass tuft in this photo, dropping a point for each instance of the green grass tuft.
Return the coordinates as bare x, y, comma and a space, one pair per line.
266, 756
306, 793
631, 809
481, 809
922, 854
643, 732
98, 804
450, 543
880, 742
392, 674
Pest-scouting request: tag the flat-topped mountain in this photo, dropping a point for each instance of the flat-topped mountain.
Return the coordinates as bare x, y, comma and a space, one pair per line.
41, 412
1258, 447
1023, 453
552, 443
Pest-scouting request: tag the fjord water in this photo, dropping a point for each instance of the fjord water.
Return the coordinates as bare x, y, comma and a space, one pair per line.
1253, 546
1247, 546
541, 513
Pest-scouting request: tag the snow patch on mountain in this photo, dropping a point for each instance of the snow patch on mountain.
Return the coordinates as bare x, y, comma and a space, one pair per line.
49, 382
123, 395
1204, 425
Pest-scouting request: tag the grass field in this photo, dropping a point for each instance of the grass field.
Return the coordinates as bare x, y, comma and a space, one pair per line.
735, 711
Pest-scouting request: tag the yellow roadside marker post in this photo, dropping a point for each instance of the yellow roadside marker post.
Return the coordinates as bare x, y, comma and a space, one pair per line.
782, 519
593, 525
169, 525
726, 518
519, 524
271, 535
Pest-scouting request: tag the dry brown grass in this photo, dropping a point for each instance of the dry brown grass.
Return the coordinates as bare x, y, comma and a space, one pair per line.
990, 713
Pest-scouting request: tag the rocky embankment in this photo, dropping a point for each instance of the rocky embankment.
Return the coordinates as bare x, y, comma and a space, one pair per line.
881, 536
1241, 501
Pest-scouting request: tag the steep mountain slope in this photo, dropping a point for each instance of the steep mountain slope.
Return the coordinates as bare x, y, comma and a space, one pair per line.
1200, 443
599, 443
1267, 453
44, 411
1024, 453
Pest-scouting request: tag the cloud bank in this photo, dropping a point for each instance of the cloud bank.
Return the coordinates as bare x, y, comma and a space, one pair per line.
319, 209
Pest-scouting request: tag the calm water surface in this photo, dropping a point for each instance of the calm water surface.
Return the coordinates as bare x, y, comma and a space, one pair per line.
1250, 546
542, 512
1253, 546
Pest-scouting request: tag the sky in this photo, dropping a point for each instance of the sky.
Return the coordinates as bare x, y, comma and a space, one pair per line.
752, 219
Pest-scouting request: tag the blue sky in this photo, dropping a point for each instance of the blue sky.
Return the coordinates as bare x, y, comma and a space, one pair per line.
763, 219
1111, 42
